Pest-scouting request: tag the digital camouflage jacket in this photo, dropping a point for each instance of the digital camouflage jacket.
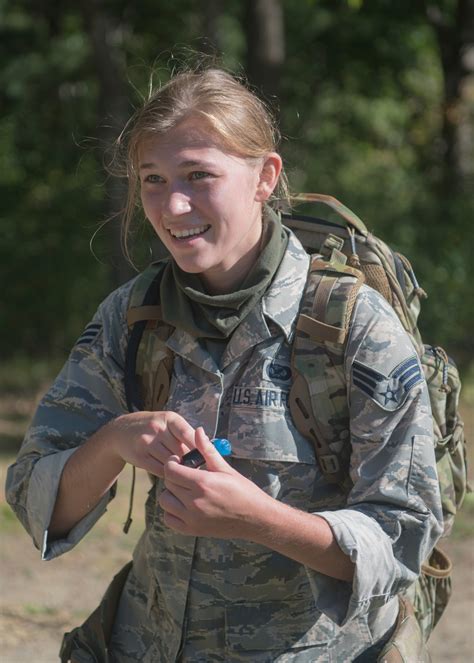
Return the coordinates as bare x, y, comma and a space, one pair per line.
197, 599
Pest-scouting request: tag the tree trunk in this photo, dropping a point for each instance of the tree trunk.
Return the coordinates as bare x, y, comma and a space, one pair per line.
264, 31
106, 37
456, 46
211, 41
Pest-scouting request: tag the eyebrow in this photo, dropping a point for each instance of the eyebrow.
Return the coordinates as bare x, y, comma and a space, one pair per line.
184, 164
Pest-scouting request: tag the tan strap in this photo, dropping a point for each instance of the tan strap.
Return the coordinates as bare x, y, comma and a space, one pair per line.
323, 294
438, 565
141, 313
322, 279
320, 331
307, 425
344, 212
332, 243
320, 265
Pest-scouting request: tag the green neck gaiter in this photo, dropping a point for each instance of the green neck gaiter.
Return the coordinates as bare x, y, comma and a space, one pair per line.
186, 305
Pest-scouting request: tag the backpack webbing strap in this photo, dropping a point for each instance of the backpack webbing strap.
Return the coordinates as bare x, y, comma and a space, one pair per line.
318, 264
308, 425
318, 397
319, 331
138, 318
325, 307
144, 308
132, 388
349, 217
323, 292
140, 313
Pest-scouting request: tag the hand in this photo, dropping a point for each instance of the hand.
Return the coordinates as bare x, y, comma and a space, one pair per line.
217, 501
148, 439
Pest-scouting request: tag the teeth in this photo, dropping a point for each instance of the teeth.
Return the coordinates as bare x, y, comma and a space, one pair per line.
179, 234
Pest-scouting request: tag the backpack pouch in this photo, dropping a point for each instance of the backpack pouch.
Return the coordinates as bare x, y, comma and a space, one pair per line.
444, 386
432, 591
406, 645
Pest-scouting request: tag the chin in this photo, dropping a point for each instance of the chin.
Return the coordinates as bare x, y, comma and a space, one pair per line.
190, 266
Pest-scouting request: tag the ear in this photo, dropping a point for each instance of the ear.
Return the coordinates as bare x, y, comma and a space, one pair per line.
269, 173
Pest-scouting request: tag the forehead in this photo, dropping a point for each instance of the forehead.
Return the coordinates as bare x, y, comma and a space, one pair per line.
192, 135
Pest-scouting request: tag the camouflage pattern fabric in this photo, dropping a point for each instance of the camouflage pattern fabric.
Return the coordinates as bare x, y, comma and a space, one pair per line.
444, 386
194, 599
406, 644
431, 592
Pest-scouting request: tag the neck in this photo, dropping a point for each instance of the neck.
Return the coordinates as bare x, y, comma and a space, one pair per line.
224, 281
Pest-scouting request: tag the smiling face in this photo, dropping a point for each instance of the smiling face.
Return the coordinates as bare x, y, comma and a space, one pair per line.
204, 203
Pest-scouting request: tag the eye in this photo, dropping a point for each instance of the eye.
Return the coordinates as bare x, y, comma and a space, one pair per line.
153, 179
199, 175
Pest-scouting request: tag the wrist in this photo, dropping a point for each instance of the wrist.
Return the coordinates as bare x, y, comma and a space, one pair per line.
259, 525
108, 439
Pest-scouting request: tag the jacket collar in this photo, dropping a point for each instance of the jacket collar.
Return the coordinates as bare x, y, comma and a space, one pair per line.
280, 304
282, 301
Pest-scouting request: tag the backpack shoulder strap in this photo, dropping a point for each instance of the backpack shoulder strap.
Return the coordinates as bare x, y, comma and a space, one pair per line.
318, 397
145, 295
144, 316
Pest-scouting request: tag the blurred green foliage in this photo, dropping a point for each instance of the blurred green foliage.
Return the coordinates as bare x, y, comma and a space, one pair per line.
360, 106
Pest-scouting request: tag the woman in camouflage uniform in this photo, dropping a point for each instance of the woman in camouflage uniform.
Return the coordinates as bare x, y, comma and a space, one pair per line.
256, 558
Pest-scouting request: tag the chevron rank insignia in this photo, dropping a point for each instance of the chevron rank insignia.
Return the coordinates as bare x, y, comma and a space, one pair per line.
89, 333
390, 392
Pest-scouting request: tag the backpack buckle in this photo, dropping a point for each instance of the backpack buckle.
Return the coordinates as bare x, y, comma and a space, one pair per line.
331, 243
329, 463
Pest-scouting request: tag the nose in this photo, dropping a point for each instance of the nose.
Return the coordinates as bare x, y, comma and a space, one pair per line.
177, 203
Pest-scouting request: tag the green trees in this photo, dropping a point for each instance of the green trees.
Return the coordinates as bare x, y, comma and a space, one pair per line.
375, 101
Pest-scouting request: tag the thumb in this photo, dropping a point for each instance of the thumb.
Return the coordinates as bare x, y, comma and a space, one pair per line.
214, 461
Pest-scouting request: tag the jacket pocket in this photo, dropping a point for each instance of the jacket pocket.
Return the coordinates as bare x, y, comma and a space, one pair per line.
277, 625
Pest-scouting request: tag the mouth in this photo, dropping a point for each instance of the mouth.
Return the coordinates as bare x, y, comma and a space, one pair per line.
188, 232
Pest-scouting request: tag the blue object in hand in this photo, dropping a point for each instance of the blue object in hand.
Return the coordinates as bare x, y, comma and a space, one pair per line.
195, 458
222, 445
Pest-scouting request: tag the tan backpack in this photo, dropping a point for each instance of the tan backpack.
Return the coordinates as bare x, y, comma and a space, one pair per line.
344, 256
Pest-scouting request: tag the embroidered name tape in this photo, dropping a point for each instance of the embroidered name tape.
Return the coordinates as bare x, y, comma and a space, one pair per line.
258, 397
390, 392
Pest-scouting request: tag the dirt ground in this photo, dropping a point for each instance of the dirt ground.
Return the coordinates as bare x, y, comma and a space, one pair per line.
39, 601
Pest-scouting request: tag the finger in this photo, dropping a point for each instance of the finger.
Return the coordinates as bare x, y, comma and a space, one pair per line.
171, 504
181, 430
174, 482
164, 446
151, 465
175, 523
201, 440
180, 475
148, 463
214, 461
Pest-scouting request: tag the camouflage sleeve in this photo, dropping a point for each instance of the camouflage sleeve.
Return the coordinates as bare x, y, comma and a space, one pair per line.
88, 393
393, 515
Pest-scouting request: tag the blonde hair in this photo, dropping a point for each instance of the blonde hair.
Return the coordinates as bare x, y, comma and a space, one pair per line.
241, 121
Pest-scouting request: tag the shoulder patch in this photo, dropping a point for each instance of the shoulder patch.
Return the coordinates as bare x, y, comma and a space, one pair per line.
388, 391
89, 334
